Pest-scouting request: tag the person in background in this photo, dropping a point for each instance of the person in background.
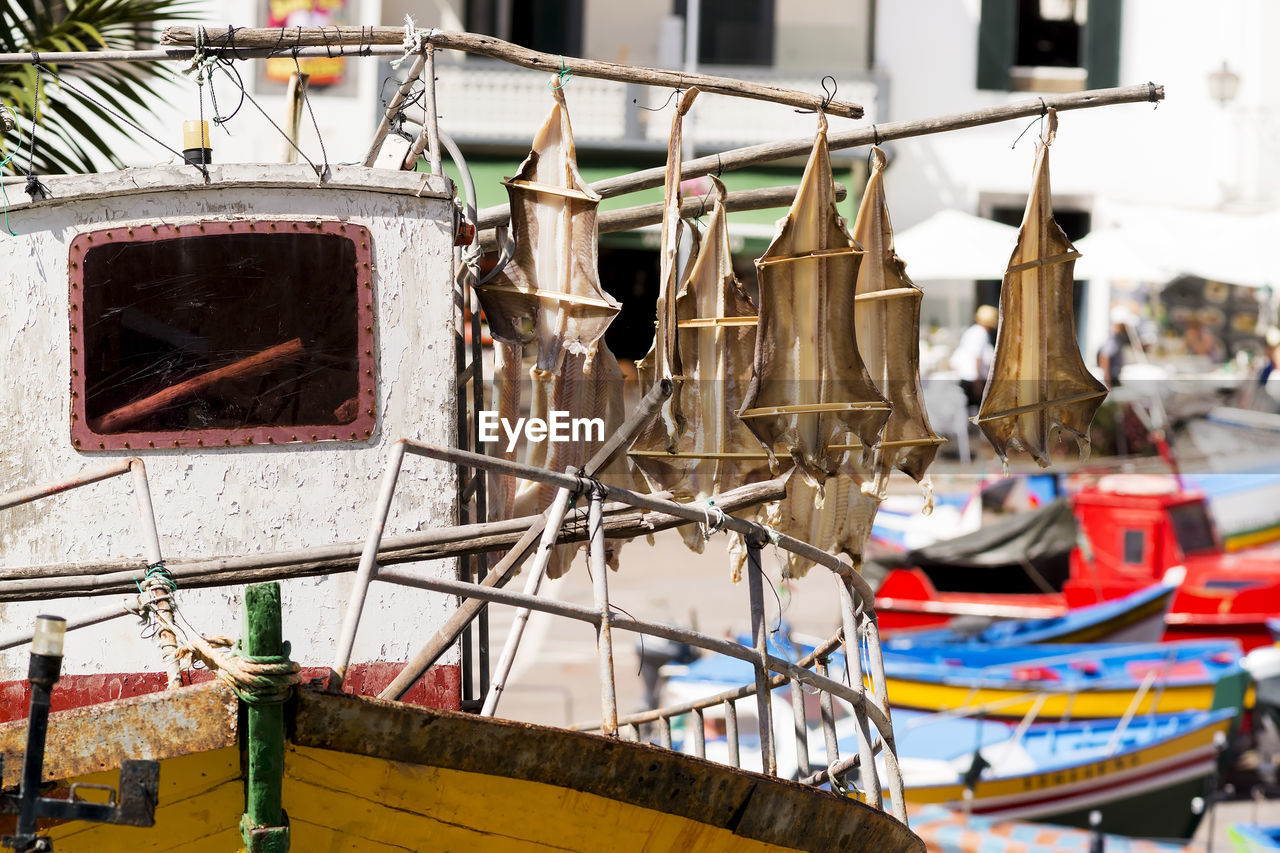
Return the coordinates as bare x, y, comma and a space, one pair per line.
1200, 341
1111, 355
972, 357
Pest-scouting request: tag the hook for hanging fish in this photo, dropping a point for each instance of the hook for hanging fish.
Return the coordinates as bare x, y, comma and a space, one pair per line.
665, 104
1044, 109
564, 75
828, 96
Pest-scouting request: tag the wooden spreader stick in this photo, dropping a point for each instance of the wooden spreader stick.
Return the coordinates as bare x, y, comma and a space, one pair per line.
340, 38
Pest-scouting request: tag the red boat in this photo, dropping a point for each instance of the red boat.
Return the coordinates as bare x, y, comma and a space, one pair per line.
1111, 538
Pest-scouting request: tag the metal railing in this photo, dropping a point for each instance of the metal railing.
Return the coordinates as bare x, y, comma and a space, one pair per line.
149, 595
868, 704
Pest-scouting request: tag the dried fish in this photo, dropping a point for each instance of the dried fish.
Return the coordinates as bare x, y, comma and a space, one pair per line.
550, 290
809, 388
836, 517
1038, 380
598, 394
887, 320
715, 336
715, 329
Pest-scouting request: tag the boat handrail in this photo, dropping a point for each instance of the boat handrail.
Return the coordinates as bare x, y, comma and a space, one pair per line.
154, 591
857, 611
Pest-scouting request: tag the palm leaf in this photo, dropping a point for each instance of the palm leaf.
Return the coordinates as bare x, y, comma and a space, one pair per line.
77, 107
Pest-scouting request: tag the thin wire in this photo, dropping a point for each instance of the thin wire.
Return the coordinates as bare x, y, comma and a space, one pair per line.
1044, 110
90, 99
564, 76
674, 93
302, 84
828, 96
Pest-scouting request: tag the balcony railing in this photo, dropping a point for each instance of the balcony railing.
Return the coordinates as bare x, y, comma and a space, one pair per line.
609, 114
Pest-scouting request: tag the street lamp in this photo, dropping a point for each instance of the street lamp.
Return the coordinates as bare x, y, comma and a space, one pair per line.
1223, 83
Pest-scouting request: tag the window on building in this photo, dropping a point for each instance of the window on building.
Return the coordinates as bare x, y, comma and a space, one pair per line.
1049, 45
221, 333
551, 26
733, 32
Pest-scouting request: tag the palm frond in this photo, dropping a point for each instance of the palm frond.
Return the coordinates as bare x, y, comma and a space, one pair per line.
74, 128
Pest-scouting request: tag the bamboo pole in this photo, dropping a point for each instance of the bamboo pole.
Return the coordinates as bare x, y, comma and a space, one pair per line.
768, 152
650, 214
339, 38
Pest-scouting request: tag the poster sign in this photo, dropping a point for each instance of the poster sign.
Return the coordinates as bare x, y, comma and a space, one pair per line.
324, 70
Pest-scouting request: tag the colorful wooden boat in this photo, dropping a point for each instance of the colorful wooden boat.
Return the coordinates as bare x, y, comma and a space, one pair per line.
947, 831
361, 774
1140, 773
1134, 618
1254, 837
1086, 681
1136, 529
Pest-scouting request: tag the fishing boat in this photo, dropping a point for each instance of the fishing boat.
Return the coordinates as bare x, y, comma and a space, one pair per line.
1074, 681
1139, 772
1254, 837
227, 372
947, 831
1134, 618
1137, 528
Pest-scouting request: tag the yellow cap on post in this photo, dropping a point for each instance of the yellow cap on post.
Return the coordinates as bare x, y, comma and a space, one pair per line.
195, 134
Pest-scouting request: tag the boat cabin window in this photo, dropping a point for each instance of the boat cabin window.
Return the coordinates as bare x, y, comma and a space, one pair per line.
1135, 547
221, 333
1192, 528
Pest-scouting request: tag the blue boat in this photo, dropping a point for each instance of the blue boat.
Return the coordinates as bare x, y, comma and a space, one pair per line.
1141, 773
1254, 838
1081, 681
1135, 618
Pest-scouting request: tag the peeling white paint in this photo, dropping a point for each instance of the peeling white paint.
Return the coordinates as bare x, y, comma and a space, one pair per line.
233, 500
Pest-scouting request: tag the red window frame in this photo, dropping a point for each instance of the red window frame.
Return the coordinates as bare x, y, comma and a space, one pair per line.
84, 438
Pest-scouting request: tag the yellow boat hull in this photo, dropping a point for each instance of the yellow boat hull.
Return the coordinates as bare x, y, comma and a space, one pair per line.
367, 775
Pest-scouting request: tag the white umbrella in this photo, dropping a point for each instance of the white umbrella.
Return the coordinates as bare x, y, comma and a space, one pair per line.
1120, 253
956, 245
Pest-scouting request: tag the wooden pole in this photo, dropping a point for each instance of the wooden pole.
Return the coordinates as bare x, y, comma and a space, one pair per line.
384, 126
30, 583
258, 363
264, 782
650, 214
754, 155
339, 38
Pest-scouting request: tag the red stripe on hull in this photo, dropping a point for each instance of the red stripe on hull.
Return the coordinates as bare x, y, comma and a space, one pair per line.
440, 687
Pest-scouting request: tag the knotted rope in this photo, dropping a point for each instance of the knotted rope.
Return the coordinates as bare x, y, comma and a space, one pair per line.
256, 679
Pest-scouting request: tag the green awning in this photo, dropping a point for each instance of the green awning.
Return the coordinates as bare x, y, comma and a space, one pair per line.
750, 229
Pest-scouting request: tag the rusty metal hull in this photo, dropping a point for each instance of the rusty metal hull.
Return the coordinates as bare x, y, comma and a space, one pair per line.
363, 774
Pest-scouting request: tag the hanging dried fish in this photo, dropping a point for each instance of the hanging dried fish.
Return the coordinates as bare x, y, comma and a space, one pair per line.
550, 290
887, 320
1038, 380
715, 330
809, 388
663, 359
838, 517
598, 394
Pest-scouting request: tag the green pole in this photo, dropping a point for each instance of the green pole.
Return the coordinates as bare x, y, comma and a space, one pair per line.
263, 826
